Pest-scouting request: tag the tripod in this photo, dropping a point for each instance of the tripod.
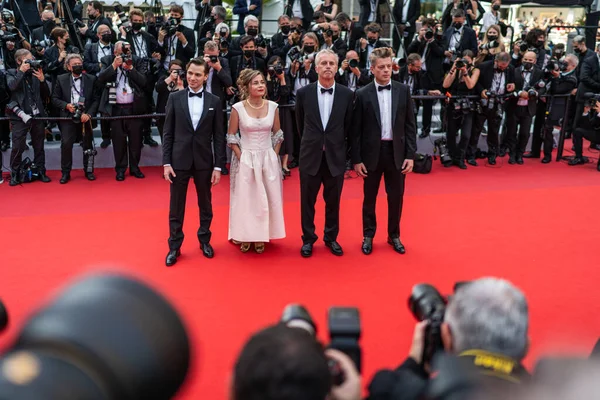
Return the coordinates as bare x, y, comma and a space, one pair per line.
16, 6
64, 11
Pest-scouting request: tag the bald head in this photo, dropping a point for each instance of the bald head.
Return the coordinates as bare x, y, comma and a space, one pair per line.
530, 57
47, 15
351, 55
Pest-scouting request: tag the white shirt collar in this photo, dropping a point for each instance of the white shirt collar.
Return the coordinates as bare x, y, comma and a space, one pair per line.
321, 86
377, 85
190, 89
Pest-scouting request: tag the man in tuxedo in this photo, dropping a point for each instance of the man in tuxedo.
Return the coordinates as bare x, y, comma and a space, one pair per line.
193, 125
459, 37
323, 115
406, 13
351, 75
372, 42
247, 60
520, 111
43, 32
352, 31
95, 19
181, 45
300, 9
72, 91
383, 143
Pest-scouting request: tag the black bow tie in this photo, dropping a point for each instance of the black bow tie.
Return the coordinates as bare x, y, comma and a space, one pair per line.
192, 94
456, 31
386, 87
76, 79
330, 90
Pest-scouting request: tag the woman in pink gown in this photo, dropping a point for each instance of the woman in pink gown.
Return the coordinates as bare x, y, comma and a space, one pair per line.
256, 203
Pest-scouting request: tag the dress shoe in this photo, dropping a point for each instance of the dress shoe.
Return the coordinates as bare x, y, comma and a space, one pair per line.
531, 155
293, 164
4, 147
460, 163
577, 161
472, 161
66, 177
424, 134
519, 159
397, 245
14, 179
335, 248
44, 178
512, 159
546, 159
492, 159
502, 152
105, 143
120, 176
172, 257
137, 173
90, 176
367, 246
149, 141
207, 250
306, 250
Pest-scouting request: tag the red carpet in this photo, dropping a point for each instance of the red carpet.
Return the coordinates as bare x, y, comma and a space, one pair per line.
536, 225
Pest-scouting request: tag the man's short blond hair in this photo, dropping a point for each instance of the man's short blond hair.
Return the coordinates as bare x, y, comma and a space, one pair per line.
378, 53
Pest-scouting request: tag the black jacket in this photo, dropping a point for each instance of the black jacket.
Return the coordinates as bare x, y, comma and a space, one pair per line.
61, 96
19, 92
434, 59
556, 106
468, 40
137, 81
589, 78
486, 76
91, 63
536, 76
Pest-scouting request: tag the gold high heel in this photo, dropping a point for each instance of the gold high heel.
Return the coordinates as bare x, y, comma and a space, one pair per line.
259, 247
236, 242
245, 247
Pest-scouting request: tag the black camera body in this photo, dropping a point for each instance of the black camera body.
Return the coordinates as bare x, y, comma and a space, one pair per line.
125, 22
441, 148
79, 110
429, 34
353, 63
172, 26
461, 63
275, 70
262, 42
35, 64
490, 45
223, 43
8, 37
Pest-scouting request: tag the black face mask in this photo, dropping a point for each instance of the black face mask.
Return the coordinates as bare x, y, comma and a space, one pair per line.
77, 69
540, 43
491, 38
372, 41
309, 49
252, 32
68, 43
106, 37
495, 7
49, 25
577, 50
335, 37
457, 25
136, 26
285, 29
248, 53
527, 65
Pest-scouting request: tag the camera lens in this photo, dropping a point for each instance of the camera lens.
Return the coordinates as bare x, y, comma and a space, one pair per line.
353, 63
429, 34
424, 300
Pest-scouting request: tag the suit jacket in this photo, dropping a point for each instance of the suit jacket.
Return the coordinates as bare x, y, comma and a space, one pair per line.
434, 59
468, 40
92, 33
204, 11
185, 148
221, 80
557, 105
365, 12
37, 34
236, 67
536, 75
240, 8
366, 126
589, 79
414, 10
486, 76
91, 65
15, 81
314, 137
307, 12
184, 54
354, 34
62, 94
137, 81
151, 44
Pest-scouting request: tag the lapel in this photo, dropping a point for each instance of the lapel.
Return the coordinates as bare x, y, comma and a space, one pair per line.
186, 108
335, 107
395, 101
375, 102
314, 99
205, 108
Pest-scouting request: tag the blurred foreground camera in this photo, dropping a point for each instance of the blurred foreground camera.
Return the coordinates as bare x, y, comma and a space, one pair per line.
105, 337
35, 64
353, 63
426, 303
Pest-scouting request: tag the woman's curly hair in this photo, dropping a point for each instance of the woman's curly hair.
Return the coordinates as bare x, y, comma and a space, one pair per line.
243, 82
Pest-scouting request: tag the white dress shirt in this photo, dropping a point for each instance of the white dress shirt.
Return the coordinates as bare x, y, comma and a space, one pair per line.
297, 9
373, 15
325, 103
140, 45
76, 91
455, 39
405, 6
196, 106
124, 91
103, 51
384, 98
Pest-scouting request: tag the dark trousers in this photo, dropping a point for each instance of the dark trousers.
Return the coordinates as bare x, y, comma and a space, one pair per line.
427, 114
538, 125
578, 134
126, 138
70, 131
494, 120
459, 120
160, 124
518, 121
105, 128
177, 205
548, 138
332, 192
19, 132
394, 188
4, 125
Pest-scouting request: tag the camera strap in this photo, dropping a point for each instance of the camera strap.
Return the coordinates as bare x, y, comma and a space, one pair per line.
496, 365
140, 45
74, 89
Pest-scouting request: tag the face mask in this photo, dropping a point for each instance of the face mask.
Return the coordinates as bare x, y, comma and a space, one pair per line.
136, 26
577, 50
527, 65
492, 38
457, 25
285, 29
67, 42
540, 43
495, 7
335, 37
372, 41
106, 37
309, 49
248, 53
77, 69
252, 32
91, 16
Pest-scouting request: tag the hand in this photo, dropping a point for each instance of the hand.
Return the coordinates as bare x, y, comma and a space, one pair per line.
483, 95
262, 51
62, 56
71, 108
574, 92
117, 62
39, 74
355, 71
167, 173
238, 153
363, 43
351, 388
252, 7
448, 54
123, 31
215, 178
407, 166
85, 118
25, 67
83, 30
10, 45
156, 56
361, 170
161, 35
181, 38
597, 107
418, 342
345, 65
434, 93
230, 91
307, 64
524, 95
510, 87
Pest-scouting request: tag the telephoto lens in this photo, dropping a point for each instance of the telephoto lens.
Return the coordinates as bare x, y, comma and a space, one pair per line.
3, 312
105, 337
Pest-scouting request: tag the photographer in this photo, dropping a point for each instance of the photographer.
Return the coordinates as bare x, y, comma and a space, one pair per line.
11, 40
40, 37
562, 81
491, 45
351, 31
210, 14
252, 30
485, 325
372, 42
285, 39
177, 40
529, 81
209, 31
332, 41
491, 17
589, 128
124, 81
496, 83
468, 7
283, 362
301, 63
460, 81
223, 39
96, 17
56, 54
172, 82
350, 75
243, 9
458, 38
247, 60
76, 95
29, 93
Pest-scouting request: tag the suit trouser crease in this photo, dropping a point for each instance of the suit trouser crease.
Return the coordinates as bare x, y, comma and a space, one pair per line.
19, 134
517, 130
127, 139
458, 120
69, 133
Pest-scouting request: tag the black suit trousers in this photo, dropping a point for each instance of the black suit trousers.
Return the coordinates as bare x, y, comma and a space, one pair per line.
494, 120
127, 139
179, 189
19, 133
578, 134
394, 188
70, 131
332, 192
538, 125
518, 126
548, 137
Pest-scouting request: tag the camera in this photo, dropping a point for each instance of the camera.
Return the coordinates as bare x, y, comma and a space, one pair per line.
523, 47
461, 63
172, 26
125, 22
223, 43
275, 70
441, 148
223, 32
262, 42
401, 62
78, 23
112, 92
294, 54
426, 303
42, 44
91, 156
490, 45
344, 333
35, 64
213, 59
353, 63
533, 90
79, 110
429, 34
591, 99
127, 56
13, 106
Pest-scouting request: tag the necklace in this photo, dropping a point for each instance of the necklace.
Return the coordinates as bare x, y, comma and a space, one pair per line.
256, 108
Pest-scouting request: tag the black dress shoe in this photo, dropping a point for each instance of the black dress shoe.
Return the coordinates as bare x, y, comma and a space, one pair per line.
512, 159
90, 176
44, 178
306, 250
4, 147
120, 176
546, 159
472, 161
172, 257
149, 141
397, 245
492, 159
66, 177
137, 173
531, 155
207, 250
519, 159
577, 161
367, 246
335, 248
105, 143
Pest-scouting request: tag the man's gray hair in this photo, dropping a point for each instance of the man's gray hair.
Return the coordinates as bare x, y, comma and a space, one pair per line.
502, 57
322, 53
579, 39
573, 58
249, 18
222, 25
48, 12
489, 314
221, 12
72, 56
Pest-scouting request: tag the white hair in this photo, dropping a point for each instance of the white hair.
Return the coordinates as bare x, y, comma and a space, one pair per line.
222, 25
249, 18
48, 12
489, 314
573, 58
321, 53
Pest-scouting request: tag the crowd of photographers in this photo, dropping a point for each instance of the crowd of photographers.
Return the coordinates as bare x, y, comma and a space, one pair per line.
130, 69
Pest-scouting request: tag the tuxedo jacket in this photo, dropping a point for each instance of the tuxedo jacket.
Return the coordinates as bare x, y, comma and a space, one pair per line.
536, 75
184, 54
366, 126
151, 44
137, 81
92, 32
414, 10
314, 137
62, 94
589, 78
236, 67
486, 76
91, 64
468, 40
15, 82
433, 78
187, 148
